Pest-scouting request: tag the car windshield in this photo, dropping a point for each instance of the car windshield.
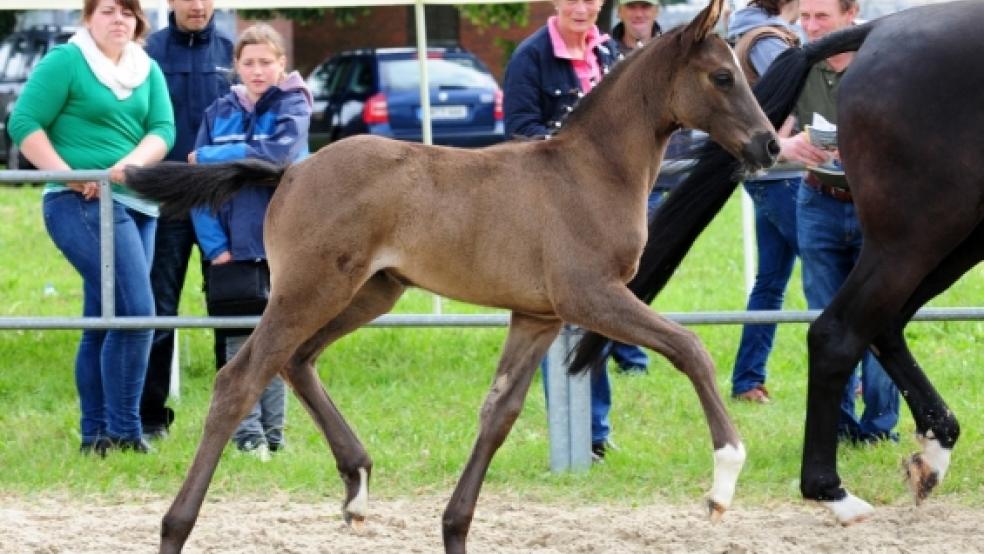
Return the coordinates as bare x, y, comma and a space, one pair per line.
441, 73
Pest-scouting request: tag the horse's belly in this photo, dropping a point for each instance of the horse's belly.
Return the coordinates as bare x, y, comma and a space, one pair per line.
469, 284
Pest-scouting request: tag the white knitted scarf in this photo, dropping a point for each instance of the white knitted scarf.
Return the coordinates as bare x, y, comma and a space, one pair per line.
122, 77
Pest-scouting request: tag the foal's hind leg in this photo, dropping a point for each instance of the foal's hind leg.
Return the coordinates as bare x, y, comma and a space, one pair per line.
376, 297
527, 343
290, 318
615, 312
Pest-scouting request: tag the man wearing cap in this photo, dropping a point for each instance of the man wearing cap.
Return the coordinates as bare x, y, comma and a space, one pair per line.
637, 24
828, 230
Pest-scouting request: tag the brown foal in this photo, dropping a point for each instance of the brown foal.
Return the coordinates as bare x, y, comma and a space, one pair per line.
525, 226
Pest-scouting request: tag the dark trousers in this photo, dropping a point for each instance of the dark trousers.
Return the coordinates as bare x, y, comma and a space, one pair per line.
173, 243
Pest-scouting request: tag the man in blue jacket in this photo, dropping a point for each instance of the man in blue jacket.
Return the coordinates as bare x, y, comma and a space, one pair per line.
196, 60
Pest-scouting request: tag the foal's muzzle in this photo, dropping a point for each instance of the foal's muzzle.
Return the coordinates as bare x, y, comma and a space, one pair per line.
761, 152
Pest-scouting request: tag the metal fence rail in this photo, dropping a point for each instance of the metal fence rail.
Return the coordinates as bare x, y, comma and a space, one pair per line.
569, 410
445, 320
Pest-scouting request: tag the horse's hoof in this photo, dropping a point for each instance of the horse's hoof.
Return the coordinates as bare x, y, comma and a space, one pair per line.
357, 507
920, 477
728, 462
357, 523
849, 510
715, 511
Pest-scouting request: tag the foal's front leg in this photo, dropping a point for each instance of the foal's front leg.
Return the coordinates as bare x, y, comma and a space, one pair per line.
527, 343
615, 312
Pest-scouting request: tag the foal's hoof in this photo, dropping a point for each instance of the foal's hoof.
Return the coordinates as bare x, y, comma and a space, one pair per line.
357, 523
356, 508
849, 510
715, 511
920, 477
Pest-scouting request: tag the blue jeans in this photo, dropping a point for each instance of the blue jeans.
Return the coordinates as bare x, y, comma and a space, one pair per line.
775, 236
601, 402
265, 422
830, 242
110, 364
172, 249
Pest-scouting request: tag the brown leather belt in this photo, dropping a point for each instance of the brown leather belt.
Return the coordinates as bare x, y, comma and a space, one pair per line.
843, 195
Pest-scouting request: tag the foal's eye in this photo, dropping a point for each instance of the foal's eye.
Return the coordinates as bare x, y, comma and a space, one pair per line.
723, 79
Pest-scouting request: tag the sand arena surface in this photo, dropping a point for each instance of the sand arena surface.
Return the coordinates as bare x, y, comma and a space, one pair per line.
53, 524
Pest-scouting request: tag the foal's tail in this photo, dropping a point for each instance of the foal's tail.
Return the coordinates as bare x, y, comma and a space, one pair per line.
692, 205
179, 187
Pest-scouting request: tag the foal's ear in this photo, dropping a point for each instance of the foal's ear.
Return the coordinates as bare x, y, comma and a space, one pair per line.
704, 23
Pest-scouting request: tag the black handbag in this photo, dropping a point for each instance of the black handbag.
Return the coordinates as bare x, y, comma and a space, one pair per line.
238, 288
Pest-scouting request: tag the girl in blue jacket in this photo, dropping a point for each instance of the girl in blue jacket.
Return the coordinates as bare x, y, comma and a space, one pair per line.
266, 117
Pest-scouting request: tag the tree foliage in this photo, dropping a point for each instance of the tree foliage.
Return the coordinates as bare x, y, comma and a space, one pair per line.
344, 16
500, 15
480, 15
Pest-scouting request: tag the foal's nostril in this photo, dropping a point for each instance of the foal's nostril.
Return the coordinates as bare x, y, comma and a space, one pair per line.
773, 148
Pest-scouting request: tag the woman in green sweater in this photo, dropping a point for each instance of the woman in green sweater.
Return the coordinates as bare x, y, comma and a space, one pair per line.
99, 102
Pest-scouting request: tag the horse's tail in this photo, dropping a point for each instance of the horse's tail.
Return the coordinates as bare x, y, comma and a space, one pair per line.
692, 205
179, 187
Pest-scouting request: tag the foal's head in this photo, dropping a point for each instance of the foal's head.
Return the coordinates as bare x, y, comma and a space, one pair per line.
710, 93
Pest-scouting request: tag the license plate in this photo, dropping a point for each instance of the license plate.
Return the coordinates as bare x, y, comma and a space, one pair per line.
446, 112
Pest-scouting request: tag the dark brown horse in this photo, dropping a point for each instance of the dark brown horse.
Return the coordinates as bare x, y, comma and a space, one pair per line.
524, 226
909, 134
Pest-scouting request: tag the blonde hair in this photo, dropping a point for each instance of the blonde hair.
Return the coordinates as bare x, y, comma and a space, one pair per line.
260, 33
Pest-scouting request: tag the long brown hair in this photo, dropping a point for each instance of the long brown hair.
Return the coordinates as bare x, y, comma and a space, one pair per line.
89, 8
771, 7
260, 33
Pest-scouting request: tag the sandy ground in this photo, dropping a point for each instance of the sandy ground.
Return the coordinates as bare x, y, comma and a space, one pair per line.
49, 524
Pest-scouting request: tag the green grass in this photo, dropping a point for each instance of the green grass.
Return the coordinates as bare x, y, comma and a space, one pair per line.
413, 396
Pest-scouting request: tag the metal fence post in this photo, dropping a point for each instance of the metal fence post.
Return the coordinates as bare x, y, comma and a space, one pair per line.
106, 250
568, 407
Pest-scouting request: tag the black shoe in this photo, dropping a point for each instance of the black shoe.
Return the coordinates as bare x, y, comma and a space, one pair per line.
98, 447
598, 452
140, 446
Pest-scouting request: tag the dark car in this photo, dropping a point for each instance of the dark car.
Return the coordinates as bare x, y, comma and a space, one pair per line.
377, 91
19, 53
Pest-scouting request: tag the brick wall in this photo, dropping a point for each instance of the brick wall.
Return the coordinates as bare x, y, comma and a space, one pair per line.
483, 44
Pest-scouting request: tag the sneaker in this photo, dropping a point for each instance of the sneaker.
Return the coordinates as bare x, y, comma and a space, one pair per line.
259, 450
598, 452
633, 370
599, 449
154, 433
97, 447
757, 395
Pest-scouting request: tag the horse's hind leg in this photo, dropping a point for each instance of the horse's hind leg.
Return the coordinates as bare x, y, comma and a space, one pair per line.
290, 318
376, 297
937, 428
613, 311
527, 343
